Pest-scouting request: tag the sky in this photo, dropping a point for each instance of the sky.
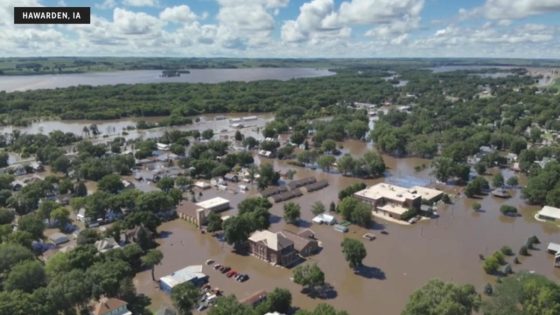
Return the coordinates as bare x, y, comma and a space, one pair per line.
292, 29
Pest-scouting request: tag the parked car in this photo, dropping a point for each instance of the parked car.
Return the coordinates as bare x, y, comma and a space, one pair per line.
217, 266
231, 273
225, 269
202, 307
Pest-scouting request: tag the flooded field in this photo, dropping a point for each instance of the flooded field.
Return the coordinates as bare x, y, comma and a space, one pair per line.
397, 264
35, 82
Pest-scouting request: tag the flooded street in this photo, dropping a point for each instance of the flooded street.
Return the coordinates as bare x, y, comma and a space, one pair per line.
397, 264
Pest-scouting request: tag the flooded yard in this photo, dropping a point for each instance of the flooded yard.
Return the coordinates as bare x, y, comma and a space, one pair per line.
397, 263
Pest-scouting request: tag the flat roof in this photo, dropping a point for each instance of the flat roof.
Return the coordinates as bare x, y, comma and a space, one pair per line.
212, 203
553, 247
393, 209
183, 275
550, 212
427, 193
388, 191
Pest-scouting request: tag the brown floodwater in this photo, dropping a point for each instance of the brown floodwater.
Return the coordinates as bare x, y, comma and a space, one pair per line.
447, 248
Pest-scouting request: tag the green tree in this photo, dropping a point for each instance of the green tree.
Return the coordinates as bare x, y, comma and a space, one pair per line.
322, 309
12, 255
208, 134
498, 180
236, 231
438, 297
292, 212
318, 208
152, 258
3, 159
355, 211
310, 276
61, 217
238, 136
111, 183
267, 176
325, 162
480, 168
214, 222
279, 300
87, 236
61, 164
328, 145
354, 252
166, 183
523, 293
33, 224
230, 306
26, 276
184, 297
80, 190
346, 164
6, 216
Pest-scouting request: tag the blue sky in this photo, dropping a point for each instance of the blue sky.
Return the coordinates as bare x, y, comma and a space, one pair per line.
293, 28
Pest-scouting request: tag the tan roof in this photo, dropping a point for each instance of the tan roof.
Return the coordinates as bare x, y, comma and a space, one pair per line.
427, 193
106, 305
299, 242
392, 208
274, 241
388, 191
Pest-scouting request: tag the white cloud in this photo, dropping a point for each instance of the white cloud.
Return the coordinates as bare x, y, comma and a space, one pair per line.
106, 4
391, 19
135, 23
512, 9
141, 3
181, 13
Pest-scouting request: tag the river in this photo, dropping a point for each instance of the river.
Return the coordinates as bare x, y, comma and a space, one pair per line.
35, 82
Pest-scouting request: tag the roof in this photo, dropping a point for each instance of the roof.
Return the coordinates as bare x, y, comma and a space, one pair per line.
427, 193
107, 305
273, 190
58, 237
301, 182
388, 191
183, 275
317, 185
323, 217
307, 233
553, 247
274, 241
393, 209
254, 298
106, 244
212, 203
550, 212
300, 242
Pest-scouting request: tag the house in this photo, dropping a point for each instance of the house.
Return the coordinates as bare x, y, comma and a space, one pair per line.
58, 238
303, 245
301, 182
249, 118
285, 196
192, 274
391, 200
272, 247
36, 166
324, 218
127, 184
197, 213
273, 190
162, 146
548, 213
265, 153
501, 193
110, 306
231, 178
316, 186
202, 185
255, 298
106, 244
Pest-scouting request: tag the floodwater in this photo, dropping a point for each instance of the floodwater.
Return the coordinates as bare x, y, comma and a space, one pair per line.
114, 128
447, 248
35, 82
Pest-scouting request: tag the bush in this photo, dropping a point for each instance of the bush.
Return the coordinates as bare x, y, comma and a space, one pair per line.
488, 290
411, 213
506, 250
524, 251
508, 210
476, 206
445, 198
